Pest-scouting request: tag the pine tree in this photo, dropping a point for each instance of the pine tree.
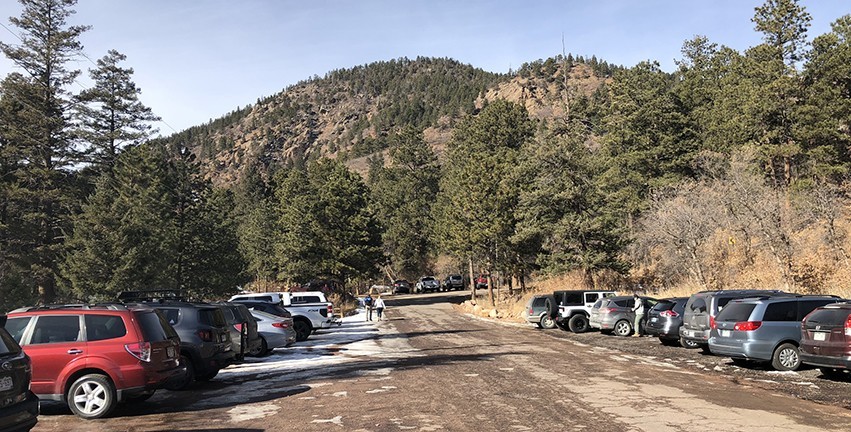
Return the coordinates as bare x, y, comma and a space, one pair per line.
110, 113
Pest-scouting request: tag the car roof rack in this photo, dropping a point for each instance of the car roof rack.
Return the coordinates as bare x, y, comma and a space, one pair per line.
154, 295
85, 306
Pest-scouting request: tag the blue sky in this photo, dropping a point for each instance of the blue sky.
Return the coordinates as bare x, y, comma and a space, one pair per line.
197, 60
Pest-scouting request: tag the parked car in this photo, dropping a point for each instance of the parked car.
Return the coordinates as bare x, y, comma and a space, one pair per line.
541, 310
93, 357
701, 310
615, 314
665, 319
205, 342
18, 405
826, 339
574, 308
453, 282
243, 329
269, 308
401, 286
275, 332
765, 329
310, 310
427, 284
482, 281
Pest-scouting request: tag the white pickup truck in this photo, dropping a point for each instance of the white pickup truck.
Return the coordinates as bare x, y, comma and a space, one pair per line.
310, 309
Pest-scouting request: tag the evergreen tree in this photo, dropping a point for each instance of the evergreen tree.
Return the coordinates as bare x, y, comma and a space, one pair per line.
110, 113
37, 136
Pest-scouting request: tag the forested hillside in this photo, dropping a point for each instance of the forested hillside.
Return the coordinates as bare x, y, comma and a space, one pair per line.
730, 171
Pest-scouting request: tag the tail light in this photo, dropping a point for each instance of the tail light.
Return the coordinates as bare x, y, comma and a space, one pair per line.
141, 350
669, 314
747, 325
606, 310
238, 327
330, 309
531, 311
206, 335
712, 324
848, 326
280, 324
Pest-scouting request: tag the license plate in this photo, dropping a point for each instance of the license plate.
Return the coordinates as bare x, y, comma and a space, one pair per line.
724, 333
654, 319
819, 336
169, 352
6, 383
689, 333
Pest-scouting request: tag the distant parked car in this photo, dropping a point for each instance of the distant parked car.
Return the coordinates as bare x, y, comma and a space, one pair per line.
427, 284
453, 282
665, 319
243, 328
19, 408
401, 286
482, 281
93, 357
270, 308
615, 314
826, 339
574, 308
701, 310
765, 329
275, 332
542, 311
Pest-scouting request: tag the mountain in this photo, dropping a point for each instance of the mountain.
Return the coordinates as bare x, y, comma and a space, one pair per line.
350, 113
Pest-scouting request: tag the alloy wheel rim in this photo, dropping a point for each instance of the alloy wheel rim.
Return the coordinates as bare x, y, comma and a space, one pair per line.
789, 358
90, 397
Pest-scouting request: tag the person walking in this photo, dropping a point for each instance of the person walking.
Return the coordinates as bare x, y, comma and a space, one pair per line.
367, 304
638, 308
379, 306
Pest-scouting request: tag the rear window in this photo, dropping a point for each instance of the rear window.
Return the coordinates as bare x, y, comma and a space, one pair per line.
308, 299
663, 306
212, 317
154, 327
230, 314
171, 315
697, 305
103, 327
736, 312
829, 316
539, 301
255, 298
16, 327
8, 345
625, 302
722, 301
807, 306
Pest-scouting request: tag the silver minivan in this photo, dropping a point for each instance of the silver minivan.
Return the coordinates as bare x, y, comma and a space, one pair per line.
701, 310
765, 329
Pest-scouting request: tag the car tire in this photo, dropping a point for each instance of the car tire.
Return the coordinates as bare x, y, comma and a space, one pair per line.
547, 322
689, 344
260, 350
786, 357
578, 323
92, 396
623, 328
302, 329
184, 382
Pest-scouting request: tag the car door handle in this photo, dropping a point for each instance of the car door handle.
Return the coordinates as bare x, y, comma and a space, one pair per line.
75, 351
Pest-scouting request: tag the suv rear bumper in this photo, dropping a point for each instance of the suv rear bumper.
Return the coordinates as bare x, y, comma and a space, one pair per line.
697, 336
825, 361
20, 416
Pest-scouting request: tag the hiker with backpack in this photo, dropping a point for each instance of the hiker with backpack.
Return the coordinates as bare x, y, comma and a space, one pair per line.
367, 304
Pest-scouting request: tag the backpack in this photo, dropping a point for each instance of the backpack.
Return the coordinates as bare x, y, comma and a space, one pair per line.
367, 301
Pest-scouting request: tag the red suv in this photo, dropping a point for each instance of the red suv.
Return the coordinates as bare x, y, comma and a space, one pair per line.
826, 339
93, 357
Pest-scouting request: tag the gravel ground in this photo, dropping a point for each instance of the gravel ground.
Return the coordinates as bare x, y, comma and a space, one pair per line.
807, 383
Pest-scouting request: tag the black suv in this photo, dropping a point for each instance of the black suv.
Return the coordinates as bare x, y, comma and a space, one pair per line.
243, 329
18, 405
269, 308
205, 342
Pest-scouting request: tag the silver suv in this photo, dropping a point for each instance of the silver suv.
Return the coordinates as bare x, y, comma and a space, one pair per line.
701, 310
764, 328
615, 314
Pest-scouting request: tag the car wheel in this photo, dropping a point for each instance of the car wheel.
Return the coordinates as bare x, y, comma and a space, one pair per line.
92, 396
208, 376
786, 358
184, 382
260, 350
264, 348
578, 323
623, 328
689, 344
548, 322
141, 397
302, 330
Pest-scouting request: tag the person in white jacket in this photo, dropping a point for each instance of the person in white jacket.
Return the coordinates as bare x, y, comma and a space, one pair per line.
379, 307
638, 308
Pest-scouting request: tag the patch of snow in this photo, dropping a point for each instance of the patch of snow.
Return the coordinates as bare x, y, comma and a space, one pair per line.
336, 420
243, 413
340, 394
789, 373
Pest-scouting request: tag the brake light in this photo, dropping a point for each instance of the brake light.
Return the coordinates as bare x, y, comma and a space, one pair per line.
606, 310
669, 314
238, 327
848, 326
280, 324
206, 335
712, 324
141, 350
330, 309
747, 325
531, 311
